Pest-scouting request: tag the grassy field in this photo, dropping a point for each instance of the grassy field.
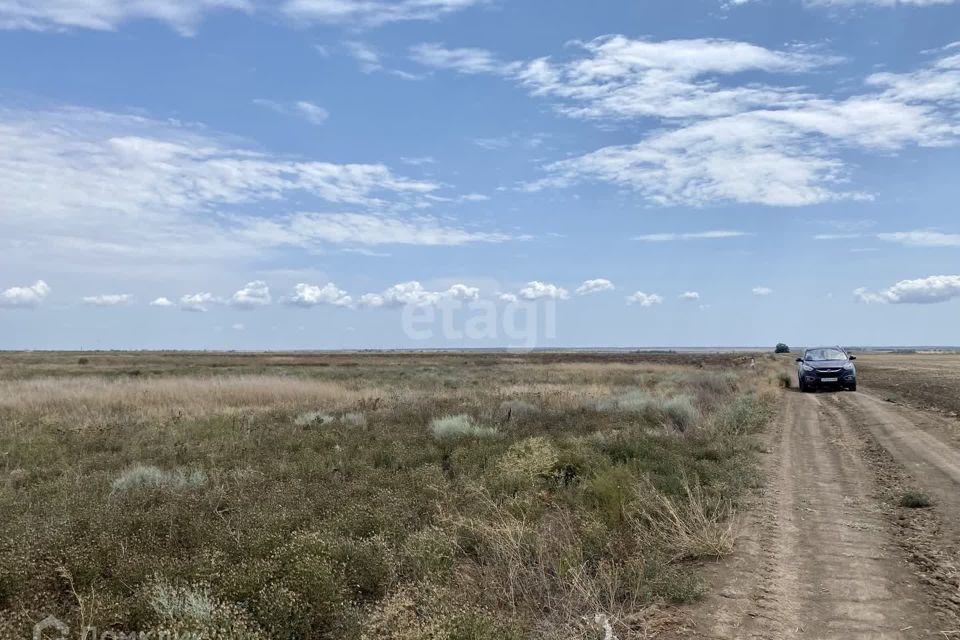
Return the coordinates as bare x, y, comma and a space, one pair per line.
457, 496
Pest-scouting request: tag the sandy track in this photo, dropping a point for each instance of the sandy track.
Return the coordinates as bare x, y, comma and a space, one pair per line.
820, 555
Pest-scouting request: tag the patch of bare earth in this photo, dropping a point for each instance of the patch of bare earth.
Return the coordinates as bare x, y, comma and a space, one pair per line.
826, 553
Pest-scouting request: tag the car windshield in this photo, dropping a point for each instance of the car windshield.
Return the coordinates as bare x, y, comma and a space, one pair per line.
825, 354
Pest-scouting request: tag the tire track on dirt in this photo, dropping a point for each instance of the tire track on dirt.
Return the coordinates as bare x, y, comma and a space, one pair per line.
818, 557
910, 450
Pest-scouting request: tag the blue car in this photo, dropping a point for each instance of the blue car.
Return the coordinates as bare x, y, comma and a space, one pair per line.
826, 368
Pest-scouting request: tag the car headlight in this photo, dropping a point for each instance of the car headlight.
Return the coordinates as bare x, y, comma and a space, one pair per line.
806, 367
848, 366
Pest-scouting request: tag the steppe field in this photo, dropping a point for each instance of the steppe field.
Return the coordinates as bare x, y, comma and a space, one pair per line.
460, 496
470, 496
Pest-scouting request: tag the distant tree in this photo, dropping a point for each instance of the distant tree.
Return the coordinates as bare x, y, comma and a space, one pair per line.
782, 348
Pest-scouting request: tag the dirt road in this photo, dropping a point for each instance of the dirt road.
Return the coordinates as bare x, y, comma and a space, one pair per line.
828, 552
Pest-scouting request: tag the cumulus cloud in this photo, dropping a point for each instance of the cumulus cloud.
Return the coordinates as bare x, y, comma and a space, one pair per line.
644, 299
161, 302
594, 286
509, 298
930, 290
762, 291
415, 294
254, 294
27, 296
463, 293
690, 295
107, 15
699, 235
198, 302
537, 290
308, 295
109, 300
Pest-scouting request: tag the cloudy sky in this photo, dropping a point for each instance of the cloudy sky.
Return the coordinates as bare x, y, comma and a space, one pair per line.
321, 173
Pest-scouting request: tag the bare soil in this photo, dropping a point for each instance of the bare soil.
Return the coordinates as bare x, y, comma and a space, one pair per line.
924, 381
828, 551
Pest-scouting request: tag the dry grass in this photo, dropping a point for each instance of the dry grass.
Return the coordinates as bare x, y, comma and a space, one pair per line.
404, 497
694, 528
84, 400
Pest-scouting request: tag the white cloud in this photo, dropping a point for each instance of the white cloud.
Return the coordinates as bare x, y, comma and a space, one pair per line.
594, 286
161, 302
308, 295
922, 238
708, 235
238, 327
163, 193
414, 294
469, 61
929, 290
690, 295
878, 3
537, 290
27, 296
306, 229
418, 161
762, 291
254, 294
365, 54
725, 140
312, 113
198, 302
107, 15
109, 300
372, 12
463, 292
644, 299
509, 298
624, 78
837, 236
784, 155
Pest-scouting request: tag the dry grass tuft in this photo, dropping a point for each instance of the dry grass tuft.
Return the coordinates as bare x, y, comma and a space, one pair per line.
694, 527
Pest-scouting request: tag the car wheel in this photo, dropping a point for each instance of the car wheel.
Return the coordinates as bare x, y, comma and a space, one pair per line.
852, 387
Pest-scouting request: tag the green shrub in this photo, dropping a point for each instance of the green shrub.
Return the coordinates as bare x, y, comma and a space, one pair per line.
428, 554
784, 380
914, 499
609, 493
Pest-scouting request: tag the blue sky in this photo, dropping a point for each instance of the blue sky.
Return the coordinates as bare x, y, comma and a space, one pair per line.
248, 174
